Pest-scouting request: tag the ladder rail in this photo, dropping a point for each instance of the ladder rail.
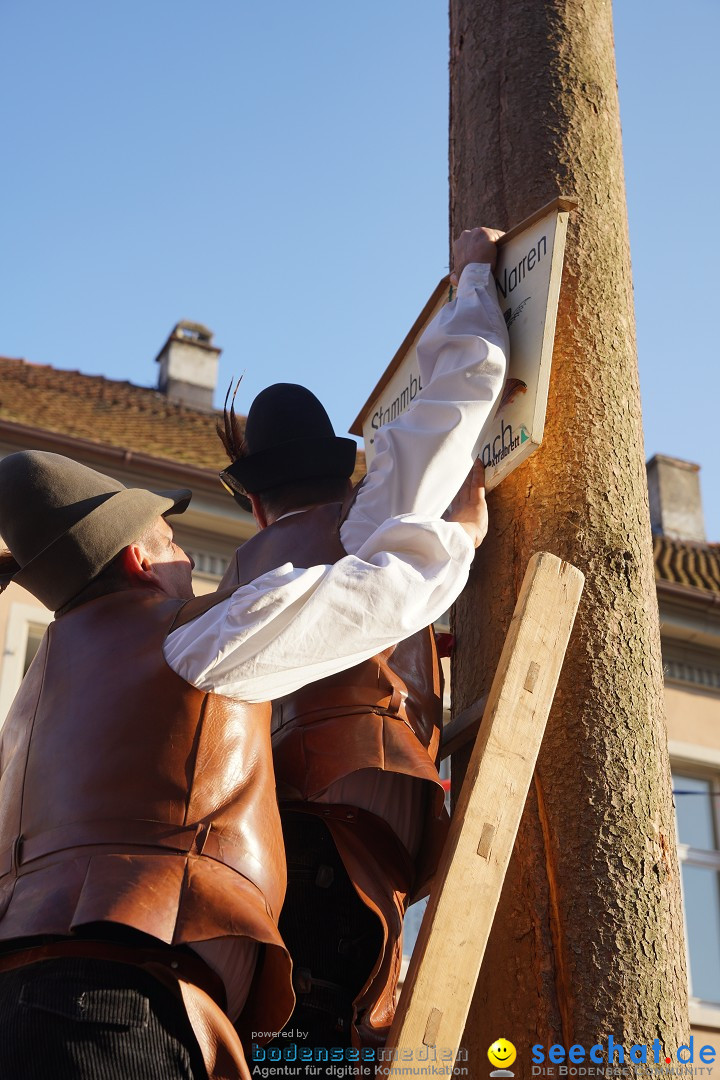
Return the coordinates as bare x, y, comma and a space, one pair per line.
445, 964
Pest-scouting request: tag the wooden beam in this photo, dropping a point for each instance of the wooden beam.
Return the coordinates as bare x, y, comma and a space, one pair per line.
441, 979
462, 728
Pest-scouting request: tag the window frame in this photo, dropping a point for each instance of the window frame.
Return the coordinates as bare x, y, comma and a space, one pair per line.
702, 763
17, 631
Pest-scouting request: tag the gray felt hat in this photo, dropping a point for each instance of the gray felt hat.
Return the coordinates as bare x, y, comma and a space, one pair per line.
64, 522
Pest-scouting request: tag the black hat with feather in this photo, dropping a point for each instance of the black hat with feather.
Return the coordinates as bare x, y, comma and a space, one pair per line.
288, 437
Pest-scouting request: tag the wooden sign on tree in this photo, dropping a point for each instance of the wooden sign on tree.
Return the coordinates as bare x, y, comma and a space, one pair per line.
527, 275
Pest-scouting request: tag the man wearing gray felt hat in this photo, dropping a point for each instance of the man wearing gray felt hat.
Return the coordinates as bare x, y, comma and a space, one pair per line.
141, 859
64, 522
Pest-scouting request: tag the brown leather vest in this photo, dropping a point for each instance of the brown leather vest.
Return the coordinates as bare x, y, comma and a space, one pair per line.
385, 713
126, 795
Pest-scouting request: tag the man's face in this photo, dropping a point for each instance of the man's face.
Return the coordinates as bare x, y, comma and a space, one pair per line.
172, 567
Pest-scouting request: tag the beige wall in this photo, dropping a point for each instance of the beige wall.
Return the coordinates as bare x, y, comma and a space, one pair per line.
706, 1037
693, 715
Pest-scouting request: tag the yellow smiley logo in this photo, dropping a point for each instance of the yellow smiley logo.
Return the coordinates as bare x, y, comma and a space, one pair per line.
502, 1053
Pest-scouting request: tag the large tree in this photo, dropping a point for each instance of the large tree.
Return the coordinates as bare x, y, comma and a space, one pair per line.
588, 938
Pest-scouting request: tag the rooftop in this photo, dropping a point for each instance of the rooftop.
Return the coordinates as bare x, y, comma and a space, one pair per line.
112, 413
107, 412
687, 562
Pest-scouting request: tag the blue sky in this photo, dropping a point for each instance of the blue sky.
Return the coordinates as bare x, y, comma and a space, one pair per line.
279, 172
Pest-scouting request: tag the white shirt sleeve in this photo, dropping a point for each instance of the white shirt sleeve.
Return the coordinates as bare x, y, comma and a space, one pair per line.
406, 566
422, 458
294, 626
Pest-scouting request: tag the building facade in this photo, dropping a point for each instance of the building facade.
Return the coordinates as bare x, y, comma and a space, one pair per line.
687, 571
165, 437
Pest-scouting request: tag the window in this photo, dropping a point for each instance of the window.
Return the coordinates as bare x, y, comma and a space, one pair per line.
35, 633
697, 803
26, 625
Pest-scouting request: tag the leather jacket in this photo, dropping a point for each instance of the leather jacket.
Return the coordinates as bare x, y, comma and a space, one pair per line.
129, 796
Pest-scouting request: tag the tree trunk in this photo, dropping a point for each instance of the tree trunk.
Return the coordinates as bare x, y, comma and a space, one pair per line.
588, 939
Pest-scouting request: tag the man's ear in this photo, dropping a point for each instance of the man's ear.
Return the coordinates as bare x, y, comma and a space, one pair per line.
136, 563
258, 511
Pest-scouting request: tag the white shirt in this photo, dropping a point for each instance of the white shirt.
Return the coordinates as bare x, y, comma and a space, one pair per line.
405, 566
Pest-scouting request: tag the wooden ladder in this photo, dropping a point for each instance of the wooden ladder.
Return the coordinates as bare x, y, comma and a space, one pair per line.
445, 964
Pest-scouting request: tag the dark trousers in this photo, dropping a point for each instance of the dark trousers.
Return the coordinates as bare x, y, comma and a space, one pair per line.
83, 1019
333, 939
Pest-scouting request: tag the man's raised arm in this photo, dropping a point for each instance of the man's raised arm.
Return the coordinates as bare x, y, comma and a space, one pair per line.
294, 626
423, 456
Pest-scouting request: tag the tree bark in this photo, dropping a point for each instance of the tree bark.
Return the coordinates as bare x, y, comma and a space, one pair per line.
588, 939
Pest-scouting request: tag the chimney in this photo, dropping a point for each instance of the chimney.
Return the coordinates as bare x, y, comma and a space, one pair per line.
189, 365
675, 502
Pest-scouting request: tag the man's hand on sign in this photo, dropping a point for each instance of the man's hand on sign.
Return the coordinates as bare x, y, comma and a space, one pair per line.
469, 508
474, 245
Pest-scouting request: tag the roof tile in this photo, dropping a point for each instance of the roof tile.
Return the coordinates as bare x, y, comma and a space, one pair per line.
117, 414
112, 413
686, 562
